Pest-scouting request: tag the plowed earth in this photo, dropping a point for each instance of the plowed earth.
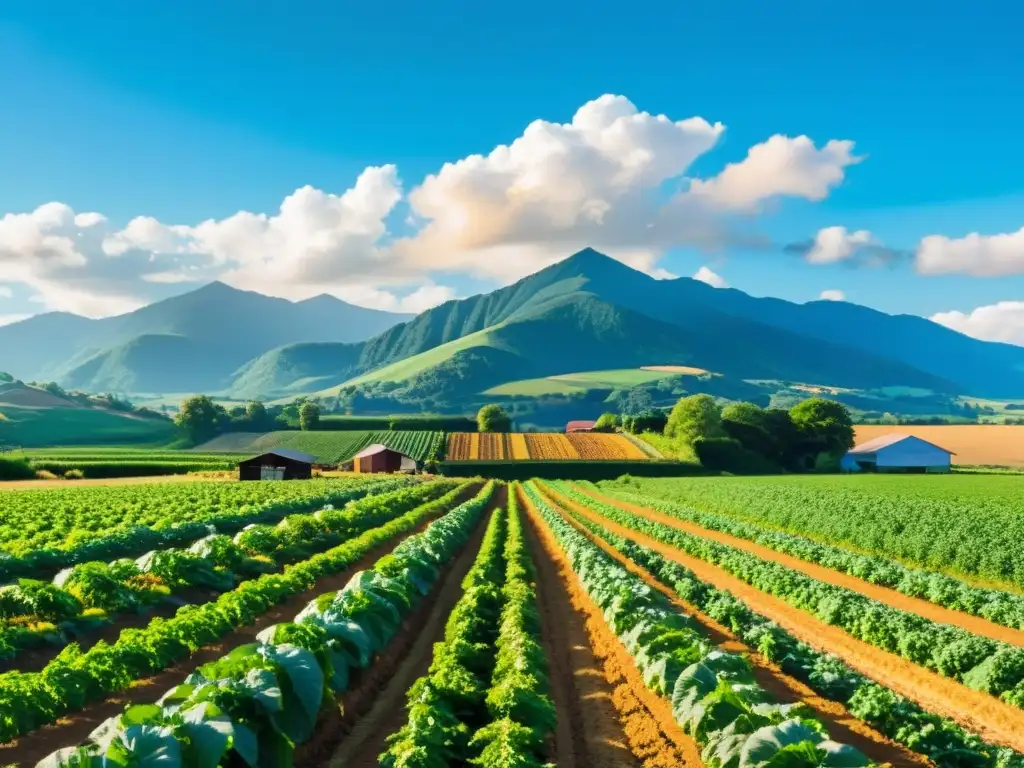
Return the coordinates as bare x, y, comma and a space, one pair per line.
890, 597
841, 725
374, 707
993, 720
607, 717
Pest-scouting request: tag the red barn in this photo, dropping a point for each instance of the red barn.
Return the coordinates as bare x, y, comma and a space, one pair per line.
580, 426
380, 458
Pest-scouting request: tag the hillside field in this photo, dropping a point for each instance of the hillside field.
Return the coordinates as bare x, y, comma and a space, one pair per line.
33, 427
535, 623
568, 383
978, 444
329, 447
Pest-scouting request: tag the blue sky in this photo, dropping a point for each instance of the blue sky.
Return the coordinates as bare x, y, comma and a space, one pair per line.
192, 111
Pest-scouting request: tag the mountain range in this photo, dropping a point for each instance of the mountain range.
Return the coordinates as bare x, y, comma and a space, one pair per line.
588, 312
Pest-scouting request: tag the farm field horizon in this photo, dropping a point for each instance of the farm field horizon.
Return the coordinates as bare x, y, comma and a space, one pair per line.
647, 587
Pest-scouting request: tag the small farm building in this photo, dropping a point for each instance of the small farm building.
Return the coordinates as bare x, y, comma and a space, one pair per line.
897, 453
380, 458
279, 464
580, 426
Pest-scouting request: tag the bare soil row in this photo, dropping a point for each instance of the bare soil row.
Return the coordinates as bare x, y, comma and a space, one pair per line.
974, 624
994, 720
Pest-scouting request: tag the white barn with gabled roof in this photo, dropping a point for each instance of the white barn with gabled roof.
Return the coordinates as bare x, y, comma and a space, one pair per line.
897, 453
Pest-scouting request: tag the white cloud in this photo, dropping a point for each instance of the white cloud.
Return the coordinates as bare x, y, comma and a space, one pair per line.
8, 319
423, 298
975, 254
833, 244
605, 179
713, 279
780, 167
1003, 321
5, 292
832, 294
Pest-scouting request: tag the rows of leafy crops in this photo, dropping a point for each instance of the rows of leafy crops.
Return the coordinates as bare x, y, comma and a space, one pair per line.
979, 663
995, 605
34, 612
330, 447
714, 695
966, 524
261, 700
75, 678
896, 717
46, 530
485, 698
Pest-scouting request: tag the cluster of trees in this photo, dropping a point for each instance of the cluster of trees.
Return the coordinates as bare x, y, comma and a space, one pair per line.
813, 434
201, 418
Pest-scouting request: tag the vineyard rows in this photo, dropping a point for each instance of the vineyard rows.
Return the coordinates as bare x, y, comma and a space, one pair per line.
406, 623
472, 446
332, 447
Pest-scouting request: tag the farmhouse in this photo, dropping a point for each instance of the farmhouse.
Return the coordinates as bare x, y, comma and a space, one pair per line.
580, 426
279, 464
380, 458
897, 453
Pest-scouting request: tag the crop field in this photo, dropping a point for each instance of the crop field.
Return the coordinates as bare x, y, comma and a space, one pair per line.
984, 444
405, 622
509, 446
329, 447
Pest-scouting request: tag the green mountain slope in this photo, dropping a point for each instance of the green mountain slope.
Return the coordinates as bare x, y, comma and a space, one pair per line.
579, 332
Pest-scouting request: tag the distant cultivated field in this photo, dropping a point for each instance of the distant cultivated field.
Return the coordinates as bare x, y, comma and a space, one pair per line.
514, 446
994, 444
329, 447
618, 378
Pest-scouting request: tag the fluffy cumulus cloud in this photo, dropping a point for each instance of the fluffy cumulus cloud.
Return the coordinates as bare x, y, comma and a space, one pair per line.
833, 244
1003, 321
614, 177
705, 275
975, 254
781, 166
832, 294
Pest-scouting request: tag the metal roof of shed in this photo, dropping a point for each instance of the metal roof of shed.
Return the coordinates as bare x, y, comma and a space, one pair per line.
372, 450
286, 453
884, 441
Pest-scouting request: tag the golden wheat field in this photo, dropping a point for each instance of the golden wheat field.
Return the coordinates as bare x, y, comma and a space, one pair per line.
995, 444
581, 446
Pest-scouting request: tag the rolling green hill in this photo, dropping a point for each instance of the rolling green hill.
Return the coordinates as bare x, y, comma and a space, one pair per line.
31, 417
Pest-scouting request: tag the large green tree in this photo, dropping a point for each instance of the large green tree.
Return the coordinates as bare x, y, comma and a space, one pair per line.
606, 422
694, 417
200, 418
748, 423
492, 418
825, 426
309, 416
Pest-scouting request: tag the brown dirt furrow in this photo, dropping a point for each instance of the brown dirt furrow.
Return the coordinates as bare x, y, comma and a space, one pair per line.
76, 727
374, 707
624, 723
841, 725
890, 597
993, 720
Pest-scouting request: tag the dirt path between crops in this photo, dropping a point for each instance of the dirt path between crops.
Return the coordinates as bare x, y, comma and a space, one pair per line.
76, 727
890, 597
842, 726
994, 721
374, 708
607, 717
